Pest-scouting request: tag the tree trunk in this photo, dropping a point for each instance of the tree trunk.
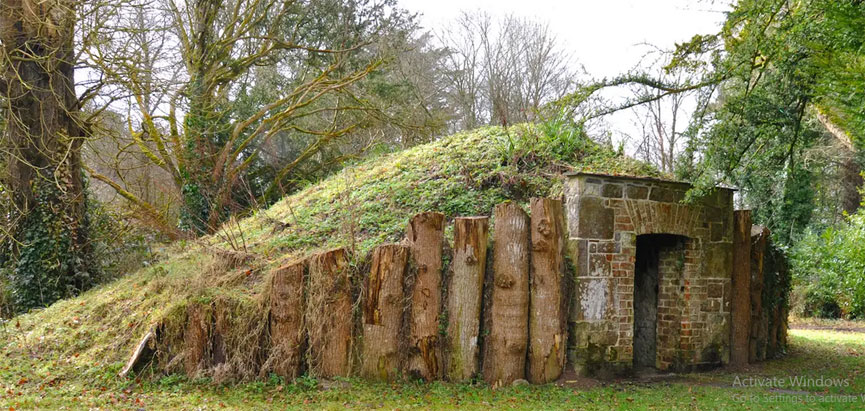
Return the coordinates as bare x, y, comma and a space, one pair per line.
196, 338
328, 315
772, 344
221, 329
464, 296
42, 147
759, 236
782, 328
851, 183
425, 237
286, 320
741, 286
505, 351
548, 305
383, 312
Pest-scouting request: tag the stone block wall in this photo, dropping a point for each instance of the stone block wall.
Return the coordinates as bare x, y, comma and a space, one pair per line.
605, 215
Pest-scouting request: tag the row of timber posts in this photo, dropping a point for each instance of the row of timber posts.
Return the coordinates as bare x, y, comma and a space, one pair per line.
755, 333
504, 319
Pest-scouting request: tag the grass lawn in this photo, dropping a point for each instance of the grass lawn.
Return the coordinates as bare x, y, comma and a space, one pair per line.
30, 382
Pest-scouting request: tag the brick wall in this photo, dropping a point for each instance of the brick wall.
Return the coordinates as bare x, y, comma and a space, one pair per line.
605, 215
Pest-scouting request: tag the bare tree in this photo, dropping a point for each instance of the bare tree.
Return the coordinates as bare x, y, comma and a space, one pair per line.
503, 71
195, 80
463, 68
660, 118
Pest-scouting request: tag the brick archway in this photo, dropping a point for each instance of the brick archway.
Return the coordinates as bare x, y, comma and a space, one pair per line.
605, 216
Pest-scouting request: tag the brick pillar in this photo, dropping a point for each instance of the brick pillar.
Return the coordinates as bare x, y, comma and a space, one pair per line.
741, 284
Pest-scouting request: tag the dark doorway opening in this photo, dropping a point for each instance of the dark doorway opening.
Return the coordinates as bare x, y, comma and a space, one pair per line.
647, 279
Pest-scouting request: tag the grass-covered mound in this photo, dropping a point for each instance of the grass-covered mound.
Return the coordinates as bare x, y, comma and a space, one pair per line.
362, 206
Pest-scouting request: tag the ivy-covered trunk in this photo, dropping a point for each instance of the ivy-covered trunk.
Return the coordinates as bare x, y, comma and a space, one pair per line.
47, 256
207, 127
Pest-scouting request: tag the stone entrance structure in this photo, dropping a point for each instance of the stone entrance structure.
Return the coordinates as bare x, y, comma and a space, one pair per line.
653, 275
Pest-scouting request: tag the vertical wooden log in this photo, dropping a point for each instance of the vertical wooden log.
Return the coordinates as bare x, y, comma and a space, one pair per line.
759, 236
220, 330
382, 312
774, 330
286, 320
741, 288
195, 338
548, 303
328, 315
464, 296
425, 235
763, 335
505, 356
782, 331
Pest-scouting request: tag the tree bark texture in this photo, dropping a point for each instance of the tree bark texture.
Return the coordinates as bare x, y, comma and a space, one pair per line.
741, 289
425, 236
328, 317
548, 305
196, 338
465, 294
383, 312
756, 349
286, 320
42, 140
505, 350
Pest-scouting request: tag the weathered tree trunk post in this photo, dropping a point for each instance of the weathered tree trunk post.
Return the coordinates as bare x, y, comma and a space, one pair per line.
464, 296
782, 331
383, 312
774, 329
221, 329
286, 320
505, 350
548, 305
196, 337
741, 289
759, 236
328, 315
425, 236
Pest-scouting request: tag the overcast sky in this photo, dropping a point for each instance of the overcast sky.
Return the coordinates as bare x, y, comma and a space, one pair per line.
603, 35
607, 37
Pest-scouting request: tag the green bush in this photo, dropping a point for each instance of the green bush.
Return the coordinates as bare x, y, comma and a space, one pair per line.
829, 270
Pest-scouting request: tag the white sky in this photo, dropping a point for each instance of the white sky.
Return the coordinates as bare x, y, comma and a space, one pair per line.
607, 37
603, 35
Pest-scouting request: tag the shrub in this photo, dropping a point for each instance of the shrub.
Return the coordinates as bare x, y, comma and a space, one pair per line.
829, 270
